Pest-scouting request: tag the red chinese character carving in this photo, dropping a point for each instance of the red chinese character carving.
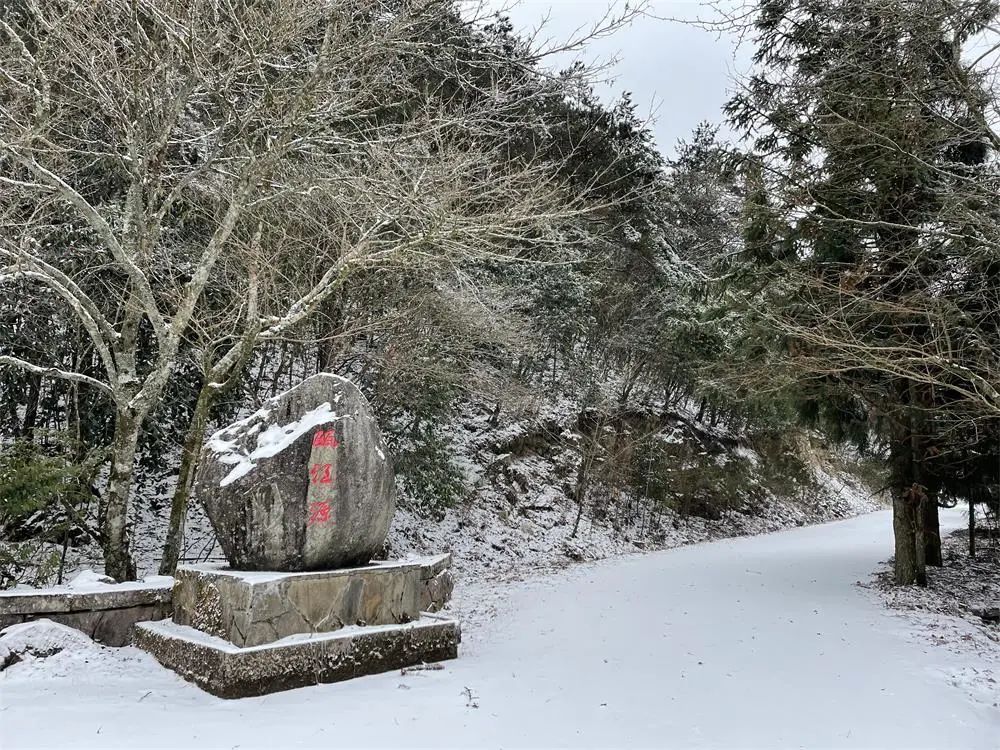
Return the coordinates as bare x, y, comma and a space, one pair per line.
327, 438
321, 473
319, 512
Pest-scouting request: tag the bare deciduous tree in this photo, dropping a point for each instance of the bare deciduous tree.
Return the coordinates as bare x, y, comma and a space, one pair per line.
229, 165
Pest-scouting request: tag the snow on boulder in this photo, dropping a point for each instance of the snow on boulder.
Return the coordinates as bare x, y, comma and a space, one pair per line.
40, 639
302, 484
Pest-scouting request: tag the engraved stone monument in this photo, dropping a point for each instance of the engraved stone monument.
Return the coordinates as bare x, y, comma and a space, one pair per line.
303, 484
301, 495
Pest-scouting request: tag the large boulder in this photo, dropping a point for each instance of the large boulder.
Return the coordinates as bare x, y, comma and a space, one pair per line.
303, 484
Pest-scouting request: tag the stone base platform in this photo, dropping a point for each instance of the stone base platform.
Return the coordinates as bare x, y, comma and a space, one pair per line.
250, 608
229, 671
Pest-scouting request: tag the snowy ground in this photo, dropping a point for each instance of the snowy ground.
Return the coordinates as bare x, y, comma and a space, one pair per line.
947, 612
753, 642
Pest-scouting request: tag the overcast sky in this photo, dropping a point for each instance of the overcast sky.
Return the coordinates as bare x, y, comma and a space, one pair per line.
677, 73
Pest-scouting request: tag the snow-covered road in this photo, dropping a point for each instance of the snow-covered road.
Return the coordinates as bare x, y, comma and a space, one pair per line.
755, 642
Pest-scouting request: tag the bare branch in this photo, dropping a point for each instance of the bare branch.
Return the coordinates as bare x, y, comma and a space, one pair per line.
55, 372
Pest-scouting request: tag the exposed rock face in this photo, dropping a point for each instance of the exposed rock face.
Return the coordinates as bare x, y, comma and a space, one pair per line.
303, 484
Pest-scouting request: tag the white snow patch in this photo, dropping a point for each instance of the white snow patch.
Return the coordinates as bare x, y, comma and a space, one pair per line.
89, 579
42, 636
940, 616
45, 648
270, 442
53, 654
192, 635
266, 576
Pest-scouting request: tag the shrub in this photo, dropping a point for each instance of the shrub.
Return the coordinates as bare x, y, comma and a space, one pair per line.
45, 497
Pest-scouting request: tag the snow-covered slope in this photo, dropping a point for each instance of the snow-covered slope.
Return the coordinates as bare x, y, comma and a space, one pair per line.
517, 512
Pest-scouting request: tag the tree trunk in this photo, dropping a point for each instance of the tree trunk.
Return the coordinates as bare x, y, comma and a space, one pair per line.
701, 409
972, 529
917, 500
31, 406
118, 561
185, 480
630, 382
932, 533
908, 564
329, 348
279, 370
580, 490
928, 528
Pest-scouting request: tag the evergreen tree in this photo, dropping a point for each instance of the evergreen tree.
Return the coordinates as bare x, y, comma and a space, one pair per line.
869, 131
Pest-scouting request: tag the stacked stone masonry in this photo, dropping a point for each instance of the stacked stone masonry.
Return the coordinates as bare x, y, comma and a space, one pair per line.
252, 609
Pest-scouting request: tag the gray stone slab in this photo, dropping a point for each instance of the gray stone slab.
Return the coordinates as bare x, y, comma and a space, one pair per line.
434, 565
47, 601
255, 608
227, 671
106, 616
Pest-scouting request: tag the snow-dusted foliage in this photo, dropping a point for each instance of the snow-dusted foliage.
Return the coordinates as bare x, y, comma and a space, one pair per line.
269, 161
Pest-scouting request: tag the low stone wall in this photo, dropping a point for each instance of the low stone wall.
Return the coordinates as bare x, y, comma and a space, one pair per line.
107, 616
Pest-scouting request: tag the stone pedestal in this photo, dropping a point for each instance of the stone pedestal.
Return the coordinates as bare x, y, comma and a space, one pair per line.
301, 495
254, 608
240, 633
227, 671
